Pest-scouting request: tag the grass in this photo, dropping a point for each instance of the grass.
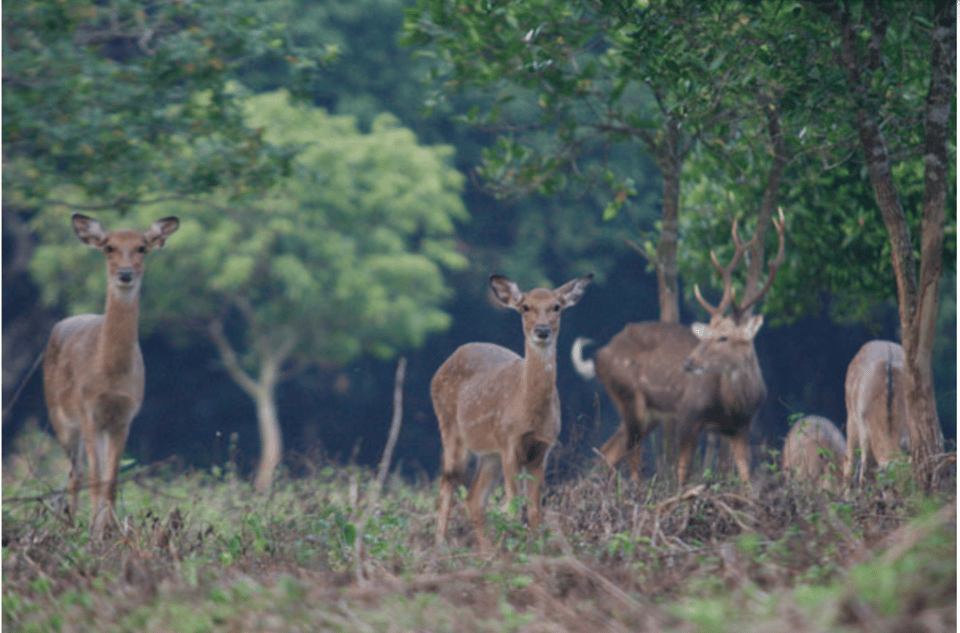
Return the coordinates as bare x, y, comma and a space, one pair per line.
199, 551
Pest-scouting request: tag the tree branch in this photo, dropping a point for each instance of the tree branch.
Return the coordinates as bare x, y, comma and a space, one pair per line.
229, 357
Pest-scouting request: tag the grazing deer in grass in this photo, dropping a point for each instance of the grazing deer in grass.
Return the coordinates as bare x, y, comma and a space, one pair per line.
505, 409
702, 378
876, 408
93, 375
814, 450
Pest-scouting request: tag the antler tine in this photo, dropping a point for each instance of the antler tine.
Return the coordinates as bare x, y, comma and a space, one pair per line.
712, 311
725, 272
750, 299
738, 244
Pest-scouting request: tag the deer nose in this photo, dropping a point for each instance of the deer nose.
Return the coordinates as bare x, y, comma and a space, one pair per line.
542, 332
688, 365
125, 275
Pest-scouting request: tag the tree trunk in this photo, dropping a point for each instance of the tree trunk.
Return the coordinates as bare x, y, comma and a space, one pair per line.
668, 153
926, 436
771, 196
668, 289
271, 444
263, 392
918, 300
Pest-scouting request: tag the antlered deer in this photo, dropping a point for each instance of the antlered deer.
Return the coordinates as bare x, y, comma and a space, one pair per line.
93, 375
505, 409
703, 378
876, 408
814, 450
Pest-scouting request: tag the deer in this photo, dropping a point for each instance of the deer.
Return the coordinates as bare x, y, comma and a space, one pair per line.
501, 407
814, 450
695, 379
93, 372
877, 428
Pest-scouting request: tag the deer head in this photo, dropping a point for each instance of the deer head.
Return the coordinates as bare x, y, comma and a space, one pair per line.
726, 343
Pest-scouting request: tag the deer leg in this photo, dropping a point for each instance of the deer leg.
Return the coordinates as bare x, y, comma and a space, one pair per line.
477, 496
686, 441
112, 416
637, 429
740, 443
72, 441
868, 462
535, 457
614, 449
95, 457
629, 437
443, 511
511, 468
853, 443
454, 468
116, 441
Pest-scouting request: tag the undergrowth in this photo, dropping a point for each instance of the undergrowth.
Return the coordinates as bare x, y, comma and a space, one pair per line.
200, 551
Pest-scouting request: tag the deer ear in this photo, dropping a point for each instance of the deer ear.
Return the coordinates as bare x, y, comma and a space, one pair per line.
88, 230
700, 330
752, 326
160, 230
506, 292
573, 290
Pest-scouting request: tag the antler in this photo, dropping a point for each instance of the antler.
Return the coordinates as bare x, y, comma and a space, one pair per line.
725, 272
727, 299
750, 299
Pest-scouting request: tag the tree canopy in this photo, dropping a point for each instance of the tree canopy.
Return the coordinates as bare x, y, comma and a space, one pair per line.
101, 95
345, 257
717, 94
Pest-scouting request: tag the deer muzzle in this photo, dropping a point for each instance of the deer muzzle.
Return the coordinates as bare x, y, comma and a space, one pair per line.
125, 275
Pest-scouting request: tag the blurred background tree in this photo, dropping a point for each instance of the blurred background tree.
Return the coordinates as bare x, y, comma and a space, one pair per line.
102, 97
344, 257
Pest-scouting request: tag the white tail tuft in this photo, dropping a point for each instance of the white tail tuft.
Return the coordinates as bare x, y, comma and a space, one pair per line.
585, 367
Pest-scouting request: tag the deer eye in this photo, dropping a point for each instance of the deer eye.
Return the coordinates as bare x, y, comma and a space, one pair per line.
142, 249
525, 308
108, 249
556, 307
723, 339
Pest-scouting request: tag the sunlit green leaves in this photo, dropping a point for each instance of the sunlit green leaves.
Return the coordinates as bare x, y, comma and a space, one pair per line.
348, 254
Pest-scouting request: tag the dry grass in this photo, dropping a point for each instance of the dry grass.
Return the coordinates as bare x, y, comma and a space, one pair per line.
200, 552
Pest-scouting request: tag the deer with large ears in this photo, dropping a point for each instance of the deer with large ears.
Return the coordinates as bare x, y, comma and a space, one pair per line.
692, 379
503, 408
93, 373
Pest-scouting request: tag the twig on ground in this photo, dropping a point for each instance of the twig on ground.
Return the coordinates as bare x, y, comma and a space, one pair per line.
378, 484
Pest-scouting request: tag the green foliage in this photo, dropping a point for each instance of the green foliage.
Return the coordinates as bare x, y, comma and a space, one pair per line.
838, 245
347, 256
102, 95
568, 84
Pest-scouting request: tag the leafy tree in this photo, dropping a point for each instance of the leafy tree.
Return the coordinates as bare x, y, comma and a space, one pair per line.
571, 81
100, 95
874, 50
534, 242
869, 89
345, 257
767, 96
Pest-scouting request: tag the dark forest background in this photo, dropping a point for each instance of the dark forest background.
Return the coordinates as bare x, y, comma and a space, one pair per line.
192, 407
